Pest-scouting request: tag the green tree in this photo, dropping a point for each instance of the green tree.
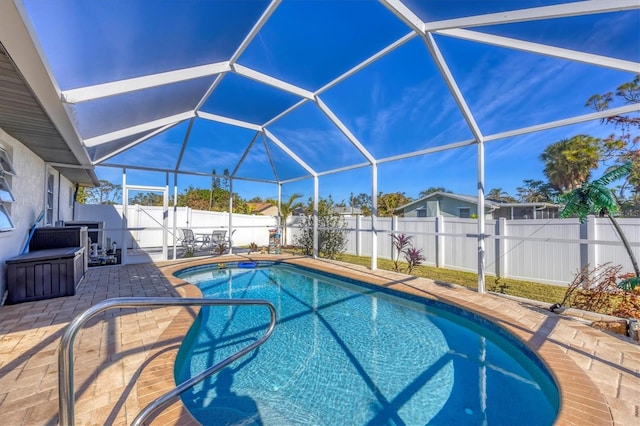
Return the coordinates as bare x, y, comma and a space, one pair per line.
595, 197
433, 189
498, 194
105, 193
361, 201
286, 209
82, 195
196, 198
388, 203
569, 162
226, 180
332, 240
147, 199
624, 146
535, 191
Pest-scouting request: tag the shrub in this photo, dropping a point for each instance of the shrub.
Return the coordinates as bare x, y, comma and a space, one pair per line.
400, 242
332, 240
413, 256
597, 290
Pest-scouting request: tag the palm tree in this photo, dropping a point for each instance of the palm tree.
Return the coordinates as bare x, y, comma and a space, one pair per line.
285, 211
570, 161
595, 197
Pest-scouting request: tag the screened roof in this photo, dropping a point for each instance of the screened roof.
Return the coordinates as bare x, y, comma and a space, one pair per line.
277, 91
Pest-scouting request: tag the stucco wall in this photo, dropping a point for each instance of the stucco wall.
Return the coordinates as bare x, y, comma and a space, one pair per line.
28, 186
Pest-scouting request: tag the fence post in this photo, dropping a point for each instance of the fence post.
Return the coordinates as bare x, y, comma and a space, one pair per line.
394, 229
588, 251
501, 248
359, 235
439, 242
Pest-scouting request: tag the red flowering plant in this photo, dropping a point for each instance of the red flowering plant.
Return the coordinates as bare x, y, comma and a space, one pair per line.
403, 246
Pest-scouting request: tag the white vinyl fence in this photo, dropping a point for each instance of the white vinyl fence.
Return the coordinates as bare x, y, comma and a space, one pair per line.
145, 224
543, 250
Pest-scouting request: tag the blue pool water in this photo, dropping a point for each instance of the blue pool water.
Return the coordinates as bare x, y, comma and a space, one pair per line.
345, 353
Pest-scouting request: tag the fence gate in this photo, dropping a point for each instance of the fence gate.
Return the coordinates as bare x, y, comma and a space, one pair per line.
136, 221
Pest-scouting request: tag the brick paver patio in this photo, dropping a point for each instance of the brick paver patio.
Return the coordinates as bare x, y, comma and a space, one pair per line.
124, 359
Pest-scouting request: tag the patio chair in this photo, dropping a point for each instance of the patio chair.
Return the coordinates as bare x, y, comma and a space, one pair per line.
186, 238
218, 236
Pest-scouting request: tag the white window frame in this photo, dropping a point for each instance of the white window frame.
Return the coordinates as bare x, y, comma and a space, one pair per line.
467, 209
6, 166
49, 197
5, 188
5, 214
6, 169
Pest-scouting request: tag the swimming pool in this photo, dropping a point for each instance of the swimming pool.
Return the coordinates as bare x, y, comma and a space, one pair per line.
348, 353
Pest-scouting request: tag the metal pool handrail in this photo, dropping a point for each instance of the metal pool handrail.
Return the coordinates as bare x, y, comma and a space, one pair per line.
66, 394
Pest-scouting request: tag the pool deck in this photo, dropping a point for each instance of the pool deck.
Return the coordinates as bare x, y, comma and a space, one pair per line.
123, 360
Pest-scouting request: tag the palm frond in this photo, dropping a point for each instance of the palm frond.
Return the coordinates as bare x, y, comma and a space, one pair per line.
614, 174
574, 203
603, 199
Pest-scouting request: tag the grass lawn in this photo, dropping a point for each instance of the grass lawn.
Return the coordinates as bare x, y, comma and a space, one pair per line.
527, 289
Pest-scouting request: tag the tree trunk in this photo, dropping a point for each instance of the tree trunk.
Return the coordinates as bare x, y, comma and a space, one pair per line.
627, 246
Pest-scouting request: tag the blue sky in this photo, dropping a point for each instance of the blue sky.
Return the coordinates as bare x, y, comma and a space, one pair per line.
396, 105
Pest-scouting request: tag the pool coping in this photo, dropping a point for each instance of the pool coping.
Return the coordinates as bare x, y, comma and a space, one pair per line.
581, 401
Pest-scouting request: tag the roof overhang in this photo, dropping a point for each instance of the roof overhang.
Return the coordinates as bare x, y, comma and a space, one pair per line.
32, 112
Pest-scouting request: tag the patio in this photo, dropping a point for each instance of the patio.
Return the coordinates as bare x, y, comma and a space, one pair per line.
124, 360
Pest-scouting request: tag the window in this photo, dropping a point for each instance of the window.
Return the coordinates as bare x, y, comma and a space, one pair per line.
422, 212
6, 167
6, 196
5, 220
465, 212
50, 198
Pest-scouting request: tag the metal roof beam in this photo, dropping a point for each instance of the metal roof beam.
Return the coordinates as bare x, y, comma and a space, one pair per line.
243, 46
245, 153
256, 29
344, 169
149, 125
182, 172
270, 157
287, 111
134, 143
290, 153
544, 49
185, 141
390, 48
345, 131
228, 120
453, 86
271, 81
427, 151
536, 13
404, 13
98, 91
565, 122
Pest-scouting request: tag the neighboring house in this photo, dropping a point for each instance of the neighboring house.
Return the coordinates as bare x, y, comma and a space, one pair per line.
466, 206
346, 211
42, 160
264, 209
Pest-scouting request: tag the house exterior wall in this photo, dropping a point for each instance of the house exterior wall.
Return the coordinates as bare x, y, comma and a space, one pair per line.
451, 208
28, 186
415, 208
448, 207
